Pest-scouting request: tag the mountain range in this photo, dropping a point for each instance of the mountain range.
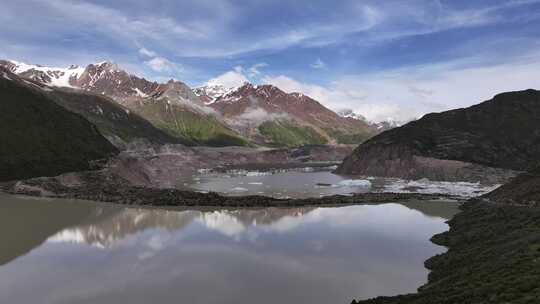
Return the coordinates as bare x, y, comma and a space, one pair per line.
212, 115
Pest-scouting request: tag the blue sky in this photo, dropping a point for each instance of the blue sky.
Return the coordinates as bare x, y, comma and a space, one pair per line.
384, 59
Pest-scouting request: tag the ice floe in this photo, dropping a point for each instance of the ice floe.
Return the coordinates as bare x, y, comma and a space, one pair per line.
354, 183
465, 189
239, 189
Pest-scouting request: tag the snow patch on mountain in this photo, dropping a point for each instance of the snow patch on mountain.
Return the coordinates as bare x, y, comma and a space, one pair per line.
387, 124
140, 93
59, 77
212, 92
348, 113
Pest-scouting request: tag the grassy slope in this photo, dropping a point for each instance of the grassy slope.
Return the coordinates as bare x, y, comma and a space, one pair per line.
112, 119
283, 133
349, 138
40, 138
197, 128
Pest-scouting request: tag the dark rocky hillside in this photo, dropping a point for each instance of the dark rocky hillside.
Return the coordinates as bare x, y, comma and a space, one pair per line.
461, 144
40, 138
524, 189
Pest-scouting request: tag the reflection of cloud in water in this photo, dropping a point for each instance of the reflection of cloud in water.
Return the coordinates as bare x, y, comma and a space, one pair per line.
104, 233
223, 222
155, 243
363, 217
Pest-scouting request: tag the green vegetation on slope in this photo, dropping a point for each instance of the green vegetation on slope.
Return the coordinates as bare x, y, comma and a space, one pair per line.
40, 138
198, 128
112, 119
284, 133
349, 138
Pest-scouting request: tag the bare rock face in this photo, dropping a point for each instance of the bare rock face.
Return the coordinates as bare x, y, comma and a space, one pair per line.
486, 142
108, 79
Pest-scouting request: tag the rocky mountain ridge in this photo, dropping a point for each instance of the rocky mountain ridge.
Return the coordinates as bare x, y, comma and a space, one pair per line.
500, 136
212, 115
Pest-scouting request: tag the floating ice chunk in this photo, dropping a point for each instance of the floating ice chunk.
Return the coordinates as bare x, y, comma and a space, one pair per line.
239, 189
354, 183
242, 172
258, 173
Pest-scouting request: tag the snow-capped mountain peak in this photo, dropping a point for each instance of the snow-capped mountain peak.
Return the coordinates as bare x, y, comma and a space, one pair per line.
212, 92
59, 77
348, 113
386, 124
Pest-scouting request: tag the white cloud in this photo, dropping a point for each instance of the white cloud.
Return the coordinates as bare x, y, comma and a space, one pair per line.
230, 79
257, 115
409, 93
206, 34
223, 222
210, 28
238, 76
318, 64
253, 71
147, 53
163, 65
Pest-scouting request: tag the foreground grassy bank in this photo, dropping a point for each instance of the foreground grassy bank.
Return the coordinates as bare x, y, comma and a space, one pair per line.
493, 257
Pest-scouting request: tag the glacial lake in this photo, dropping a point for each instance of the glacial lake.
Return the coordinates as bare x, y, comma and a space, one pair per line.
317, 182
63, 251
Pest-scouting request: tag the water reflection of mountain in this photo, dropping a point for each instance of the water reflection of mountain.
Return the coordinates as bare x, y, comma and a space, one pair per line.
266, 216
106, 232
27, 223
125, 222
